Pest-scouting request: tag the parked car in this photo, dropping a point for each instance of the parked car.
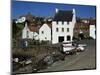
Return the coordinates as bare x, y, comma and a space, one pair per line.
68, 48
71, 48
81, 47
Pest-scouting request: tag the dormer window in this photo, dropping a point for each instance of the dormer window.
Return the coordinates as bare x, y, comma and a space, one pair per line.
42, 32
62, 23
68, 23
57, 22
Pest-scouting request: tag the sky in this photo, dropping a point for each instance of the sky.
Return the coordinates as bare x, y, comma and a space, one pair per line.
20, 8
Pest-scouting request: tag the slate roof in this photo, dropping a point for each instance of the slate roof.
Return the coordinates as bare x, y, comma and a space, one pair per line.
62, 15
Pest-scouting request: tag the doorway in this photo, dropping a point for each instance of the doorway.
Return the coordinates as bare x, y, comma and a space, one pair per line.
68, 38
61, 38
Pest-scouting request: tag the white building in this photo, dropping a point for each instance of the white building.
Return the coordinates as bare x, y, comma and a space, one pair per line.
45, 32
21, 19
93, 31
62, 26
30, 32
61, 29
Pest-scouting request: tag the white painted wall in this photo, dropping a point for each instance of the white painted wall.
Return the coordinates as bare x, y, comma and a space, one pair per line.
35, 36
92, 31
46, 35
24, 31
55, 34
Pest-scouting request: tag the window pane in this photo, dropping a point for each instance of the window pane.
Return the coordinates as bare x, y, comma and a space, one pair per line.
62, 22
27, 34
67, 29
56, 29
45, 37
62, 29
67, 23
42, 32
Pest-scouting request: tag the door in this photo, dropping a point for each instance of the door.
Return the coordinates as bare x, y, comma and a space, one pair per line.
68, 38
61, 38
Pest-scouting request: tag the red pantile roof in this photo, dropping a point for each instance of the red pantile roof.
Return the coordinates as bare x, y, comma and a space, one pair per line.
33, 28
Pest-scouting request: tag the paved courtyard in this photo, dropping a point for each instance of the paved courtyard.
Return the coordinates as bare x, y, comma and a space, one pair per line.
82, 60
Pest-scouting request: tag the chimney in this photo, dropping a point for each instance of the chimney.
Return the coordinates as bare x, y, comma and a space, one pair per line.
57, 10
73, 11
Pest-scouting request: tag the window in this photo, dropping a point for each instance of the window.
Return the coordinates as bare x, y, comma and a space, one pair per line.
68, 38
42, 32
61, 38
56, 29
63, 23
68, 22
27, 34
45, 37
57, 22
67, 29
62, 29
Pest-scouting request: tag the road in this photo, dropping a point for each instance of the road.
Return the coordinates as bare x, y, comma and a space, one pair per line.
82, 60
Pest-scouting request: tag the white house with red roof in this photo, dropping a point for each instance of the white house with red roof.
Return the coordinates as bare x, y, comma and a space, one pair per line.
45, 32
42, 33
30, 32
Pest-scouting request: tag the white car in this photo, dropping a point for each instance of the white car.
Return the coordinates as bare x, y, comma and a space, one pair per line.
81, 47
68, 47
